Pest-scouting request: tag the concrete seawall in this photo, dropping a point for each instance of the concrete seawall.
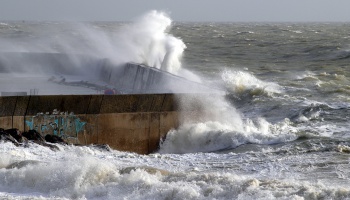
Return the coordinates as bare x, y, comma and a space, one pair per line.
133, 123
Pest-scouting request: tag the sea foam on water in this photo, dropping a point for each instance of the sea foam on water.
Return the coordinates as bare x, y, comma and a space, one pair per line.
297, 170
241, 82
89, 173
221, 126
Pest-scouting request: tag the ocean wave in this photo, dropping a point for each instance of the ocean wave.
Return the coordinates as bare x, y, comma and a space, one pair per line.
3, 25
341, 54
214, 136
296, 31
138, 184
87, 173
244, 32
311, 112
242, 83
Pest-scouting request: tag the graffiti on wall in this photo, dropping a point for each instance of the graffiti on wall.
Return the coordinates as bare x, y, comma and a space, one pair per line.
62, 124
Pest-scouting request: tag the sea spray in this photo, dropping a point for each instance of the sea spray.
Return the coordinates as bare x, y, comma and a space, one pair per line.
149, 41
316, 166
218, 125
214, 136
146, 40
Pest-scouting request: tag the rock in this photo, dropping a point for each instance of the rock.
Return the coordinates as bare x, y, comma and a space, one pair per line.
33, 135
16, 134
7, 137
37, 138
54, 139
51, 146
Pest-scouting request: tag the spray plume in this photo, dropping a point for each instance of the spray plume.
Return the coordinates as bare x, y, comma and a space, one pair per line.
145, 41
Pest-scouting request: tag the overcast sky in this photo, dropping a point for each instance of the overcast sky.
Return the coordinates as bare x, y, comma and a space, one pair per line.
179, 10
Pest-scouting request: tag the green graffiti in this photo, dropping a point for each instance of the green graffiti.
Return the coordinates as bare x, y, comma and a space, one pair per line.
79, 125
60, 124
30, 124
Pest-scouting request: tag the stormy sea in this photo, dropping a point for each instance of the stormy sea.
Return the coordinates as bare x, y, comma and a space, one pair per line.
280, 131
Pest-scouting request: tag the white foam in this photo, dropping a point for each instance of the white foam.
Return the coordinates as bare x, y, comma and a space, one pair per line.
90, 173
146, 40
214, 136
241, 82
220, 126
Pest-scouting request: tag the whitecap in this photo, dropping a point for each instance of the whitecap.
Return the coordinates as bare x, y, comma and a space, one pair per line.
240, 82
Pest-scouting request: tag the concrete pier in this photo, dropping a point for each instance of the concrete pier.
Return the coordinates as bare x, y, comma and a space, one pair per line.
146, 108
134, 123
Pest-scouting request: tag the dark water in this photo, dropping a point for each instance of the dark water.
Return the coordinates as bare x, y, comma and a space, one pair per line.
310, 63
281, 132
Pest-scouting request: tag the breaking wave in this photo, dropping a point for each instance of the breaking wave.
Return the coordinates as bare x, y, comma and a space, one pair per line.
220, 126
214, 136
240, 83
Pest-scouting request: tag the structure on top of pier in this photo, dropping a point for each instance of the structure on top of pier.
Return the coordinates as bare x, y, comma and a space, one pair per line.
39, 72
62, 99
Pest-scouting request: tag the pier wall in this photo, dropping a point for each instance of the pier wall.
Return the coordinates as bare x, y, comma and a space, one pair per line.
134, 123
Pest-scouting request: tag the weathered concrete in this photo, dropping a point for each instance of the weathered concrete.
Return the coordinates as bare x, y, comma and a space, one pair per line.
133, 123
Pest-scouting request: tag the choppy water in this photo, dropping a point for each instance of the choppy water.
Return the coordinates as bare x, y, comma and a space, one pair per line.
281, 132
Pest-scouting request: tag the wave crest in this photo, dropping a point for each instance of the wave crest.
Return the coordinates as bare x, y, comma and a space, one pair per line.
241, 83
215, 136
